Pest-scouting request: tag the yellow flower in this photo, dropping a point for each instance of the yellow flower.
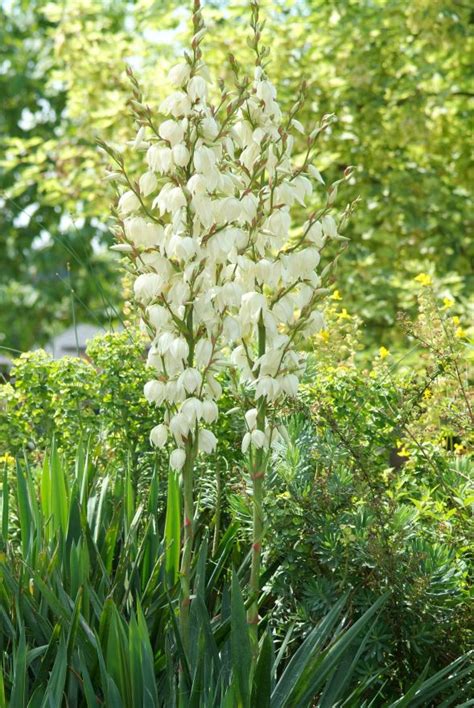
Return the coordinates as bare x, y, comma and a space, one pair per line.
424, 279
7, 459
460, 333
383, 353
324, 334
456, 320
336, 295
459, 449
447, 303
401, 449
427, 393
343, 315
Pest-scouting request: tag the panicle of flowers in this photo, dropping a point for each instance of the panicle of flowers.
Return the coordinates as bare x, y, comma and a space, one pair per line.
181, 224
208, 229
219, 262
276, 270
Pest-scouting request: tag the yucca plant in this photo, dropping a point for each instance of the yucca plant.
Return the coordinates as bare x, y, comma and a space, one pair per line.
88, 608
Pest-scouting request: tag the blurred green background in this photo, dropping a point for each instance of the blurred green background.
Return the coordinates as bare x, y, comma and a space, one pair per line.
395, 73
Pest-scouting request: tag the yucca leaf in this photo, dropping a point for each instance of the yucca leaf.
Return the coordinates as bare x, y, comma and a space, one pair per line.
262, 680
37, 698
172, 529
18, 693
200, 569
180, 653
55, 687
74, 625
117, 656
3, 703
225, 548
24, 512
5, 506
318, 670
150, 698
45, 498
100, 508
424, 690
135, 659
314, 641
87, 687
109, 688
343, 673
199, 613
48, 657
240, 643
59, 493
284, 644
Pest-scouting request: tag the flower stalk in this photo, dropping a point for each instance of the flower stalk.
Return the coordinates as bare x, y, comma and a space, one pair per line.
221, 264
258, 475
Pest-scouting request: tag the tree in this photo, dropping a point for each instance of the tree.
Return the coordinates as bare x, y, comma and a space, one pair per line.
395, 73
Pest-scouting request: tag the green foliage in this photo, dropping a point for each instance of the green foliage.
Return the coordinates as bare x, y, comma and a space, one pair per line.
369, 493
367, 589
74, 398
87, 615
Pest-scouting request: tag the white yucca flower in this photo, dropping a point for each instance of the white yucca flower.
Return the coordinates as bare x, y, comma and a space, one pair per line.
224, 256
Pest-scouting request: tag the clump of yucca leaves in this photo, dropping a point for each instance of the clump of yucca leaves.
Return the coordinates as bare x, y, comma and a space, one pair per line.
88, 598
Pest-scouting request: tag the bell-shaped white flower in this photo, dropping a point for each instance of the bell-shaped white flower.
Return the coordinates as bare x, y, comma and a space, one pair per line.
158, 316
289, 384
246, 440
207, 441
141, 232
204, 159
179, 74
154, 391
179, 349
251, 418
258, 438
329, 226
279, 223
197, 89
147, 183
315, 322
209, 128
160, 159
190, 379
159, 435
147, 287
181, 155
315, 234
203, 352
176, 104
128, 202
314, 172
192, 409
177, 459
210, 411
172, 131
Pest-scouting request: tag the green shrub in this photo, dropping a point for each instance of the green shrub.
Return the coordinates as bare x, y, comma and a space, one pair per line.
371, 492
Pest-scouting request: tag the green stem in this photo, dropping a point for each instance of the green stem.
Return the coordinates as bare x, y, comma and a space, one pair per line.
217, 517
257, 474
186, 558
188, 510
